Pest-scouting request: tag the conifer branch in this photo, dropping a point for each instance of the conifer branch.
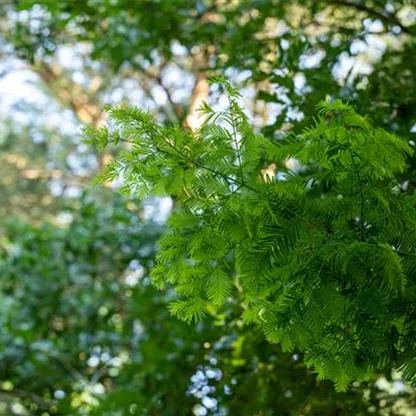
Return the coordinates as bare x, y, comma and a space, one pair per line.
227, 178
306, 279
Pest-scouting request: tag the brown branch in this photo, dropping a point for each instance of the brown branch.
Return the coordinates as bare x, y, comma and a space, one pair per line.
155, 75
71, 94
200, 91
177, 109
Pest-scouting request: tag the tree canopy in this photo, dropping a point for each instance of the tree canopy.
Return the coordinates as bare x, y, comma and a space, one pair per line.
278, 136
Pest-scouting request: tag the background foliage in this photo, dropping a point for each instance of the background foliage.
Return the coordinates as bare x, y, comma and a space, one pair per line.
63, 259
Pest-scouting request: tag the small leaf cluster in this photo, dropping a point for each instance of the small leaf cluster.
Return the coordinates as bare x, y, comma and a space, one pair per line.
324, 256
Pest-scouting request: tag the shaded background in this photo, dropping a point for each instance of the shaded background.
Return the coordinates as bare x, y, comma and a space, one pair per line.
82, 330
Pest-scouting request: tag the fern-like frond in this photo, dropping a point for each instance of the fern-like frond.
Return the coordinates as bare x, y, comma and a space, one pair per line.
323, 256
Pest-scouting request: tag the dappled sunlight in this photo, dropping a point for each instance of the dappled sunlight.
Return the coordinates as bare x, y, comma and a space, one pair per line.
207, 207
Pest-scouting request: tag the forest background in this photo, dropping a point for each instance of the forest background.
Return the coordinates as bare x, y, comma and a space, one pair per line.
83, 331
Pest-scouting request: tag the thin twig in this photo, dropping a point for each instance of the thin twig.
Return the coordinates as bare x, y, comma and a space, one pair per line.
237, 147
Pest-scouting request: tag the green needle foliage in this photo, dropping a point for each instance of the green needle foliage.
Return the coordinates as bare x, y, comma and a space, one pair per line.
324, 257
